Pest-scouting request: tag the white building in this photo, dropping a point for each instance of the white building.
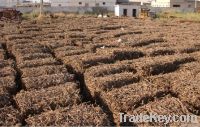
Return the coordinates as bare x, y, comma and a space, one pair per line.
38, 1
160, 3
3, 3
131, 8
12, 3
83, 3
127, 10
8, 3
129, 1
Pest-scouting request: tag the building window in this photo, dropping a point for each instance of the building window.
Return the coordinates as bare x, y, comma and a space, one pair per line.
176, 5
97, 4
59, 5
125, 12
86, 4
80, 3
189, 6
104, 3
134, 12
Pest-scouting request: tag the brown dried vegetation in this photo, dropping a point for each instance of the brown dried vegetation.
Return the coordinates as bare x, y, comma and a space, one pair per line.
50, 68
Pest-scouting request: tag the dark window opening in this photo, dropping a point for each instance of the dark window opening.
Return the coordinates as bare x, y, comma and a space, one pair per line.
59, 5
134, 12
97, 4
124, 12
86, 4
176, 5
104, 3
80, 3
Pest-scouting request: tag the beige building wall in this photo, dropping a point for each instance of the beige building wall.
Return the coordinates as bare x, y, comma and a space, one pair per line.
184, 3
175, 3
82, 3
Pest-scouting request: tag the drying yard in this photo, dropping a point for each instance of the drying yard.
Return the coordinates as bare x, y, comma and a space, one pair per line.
82, 70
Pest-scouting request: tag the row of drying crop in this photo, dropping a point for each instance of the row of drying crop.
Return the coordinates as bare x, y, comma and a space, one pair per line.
48, 88
102, 76
104, 79
7, 89
73, 54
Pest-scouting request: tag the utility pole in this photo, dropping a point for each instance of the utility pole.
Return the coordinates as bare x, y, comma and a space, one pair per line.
41, 7
195, 5
8, 3
18, 2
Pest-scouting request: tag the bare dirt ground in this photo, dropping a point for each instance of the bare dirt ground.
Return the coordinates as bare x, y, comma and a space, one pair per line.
82, 70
